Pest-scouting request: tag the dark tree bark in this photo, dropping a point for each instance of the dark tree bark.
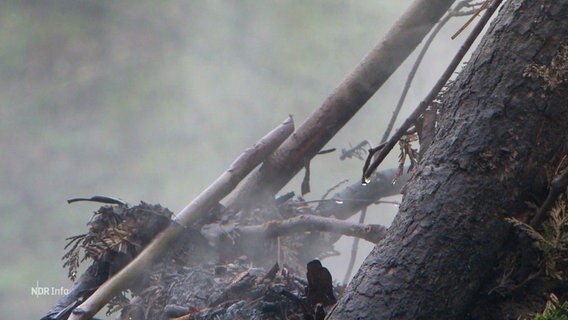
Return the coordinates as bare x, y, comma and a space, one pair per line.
498, 130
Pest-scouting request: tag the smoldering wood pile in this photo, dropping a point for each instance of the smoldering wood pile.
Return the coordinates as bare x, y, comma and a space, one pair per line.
148, 264
249, 264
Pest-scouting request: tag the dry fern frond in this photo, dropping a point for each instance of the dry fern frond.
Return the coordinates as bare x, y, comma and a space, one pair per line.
406, 151
552, 241
526, 228
115, 229
554, 74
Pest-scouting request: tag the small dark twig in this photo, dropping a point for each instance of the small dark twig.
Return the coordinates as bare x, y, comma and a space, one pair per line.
306, 181
326, 151
557, 186
100, 199
434, 92
333, 188
372, 152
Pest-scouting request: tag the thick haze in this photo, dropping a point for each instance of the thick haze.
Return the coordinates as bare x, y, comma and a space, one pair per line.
151, 100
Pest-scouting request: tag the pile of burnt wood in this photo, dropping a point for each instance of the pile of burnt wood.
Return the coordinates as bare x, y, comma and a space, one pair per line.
219, 271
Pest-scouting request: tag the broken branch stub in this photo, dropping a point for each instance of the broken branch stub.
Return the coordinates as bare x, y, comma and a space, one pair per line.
198, 208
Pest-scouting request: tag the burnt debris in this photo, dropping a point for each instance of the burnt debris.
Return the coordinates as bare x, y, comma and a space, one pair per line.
213, 272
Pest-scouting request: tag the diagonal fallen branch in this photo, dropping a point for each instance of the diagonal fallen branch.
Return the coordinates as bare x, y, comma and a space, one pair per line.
456, 11
424, 143
382, 152
342, 104
197, 209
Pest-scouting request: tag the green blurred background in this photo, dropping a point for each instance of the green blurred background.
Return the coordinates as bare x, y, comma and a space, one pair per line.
152, 100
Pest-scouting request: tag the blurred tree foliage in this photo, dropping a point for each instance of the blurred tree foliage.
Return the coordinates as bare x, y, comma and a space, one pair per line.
150, 100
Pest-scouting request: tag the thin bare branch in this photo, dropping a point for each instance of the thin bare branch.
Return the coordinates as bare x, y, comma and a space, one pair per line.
451, 13
330, 190
454, 12
342, 104
434, 92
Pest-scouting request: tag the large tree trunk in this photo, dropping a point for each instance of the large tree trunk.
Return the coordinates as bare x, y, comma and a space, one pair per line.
497, 131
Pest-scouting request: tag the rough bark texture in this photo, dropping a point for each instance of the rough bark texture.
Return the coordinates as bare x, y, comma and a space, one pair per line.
497, 132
